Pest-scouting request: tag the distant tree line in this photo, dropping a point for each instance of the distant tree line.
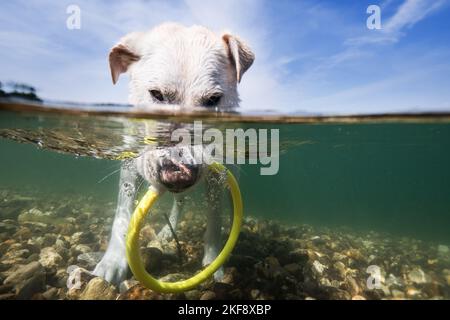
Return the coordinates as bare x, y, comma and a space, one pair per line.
18, 90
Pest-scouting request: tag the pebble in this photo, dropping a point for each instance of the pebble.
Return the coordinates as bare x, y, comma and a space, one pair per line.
317, 267
417, 276
412, 292
27, 280
82, 238
340, 267
192, 294
127, 285
99, 289
89, 260
151, 257
80, 249
7, 227
254, 293
208, 295
397, 294
293, 268
49, 258
353, 286
270, 261
51, 294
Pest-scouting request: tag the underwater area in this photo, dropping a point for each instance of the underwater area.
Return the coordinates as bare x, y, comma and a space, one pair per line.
352, 195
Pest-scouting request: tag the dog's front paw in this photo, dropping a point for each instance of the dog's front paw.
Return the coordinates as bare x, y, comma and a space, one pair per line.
113, 269
210, 255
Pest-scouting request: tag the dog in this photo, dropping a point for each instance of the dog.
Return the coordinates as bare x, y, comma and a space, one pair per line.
187, 68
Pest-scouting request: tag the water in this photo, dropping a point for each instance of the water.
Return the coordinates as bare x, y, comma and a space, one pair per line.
375, 190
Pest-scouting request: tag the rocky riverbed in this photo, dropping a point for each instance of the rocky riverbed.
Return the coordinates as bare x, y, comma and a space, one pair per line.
42, 242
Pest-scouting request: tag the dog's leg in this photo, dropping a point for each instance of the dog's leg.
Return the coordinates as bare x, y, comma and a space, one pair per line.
214, 189
114, 267
177, 207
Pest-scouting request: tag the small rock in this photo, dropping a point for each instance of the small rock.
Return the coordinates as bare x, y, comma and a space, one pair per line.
236, 294
4, 246
293, 268
7, 296
32, 257
340, 267
23, 233
352, 286
318, 241
36, 215
318, 268
392, 280
66, 229
192, 294
254, 293
5, 288
221, 290
79, 249
27, 280
397, 294
50, 294
89, 260
417, 276
99, 289
147, 233
16, 254
325, 282
357, 297
172, 277
138, 292
3, 267
7, 228
338, 256
48, 240
412, 292
127, 285
49, 258
24, 272
82, 238
208, 295
151, 257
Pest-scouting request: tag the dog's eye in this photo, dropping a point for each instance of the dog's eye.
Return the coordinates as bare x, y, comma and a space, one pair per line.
212, 100
156, 94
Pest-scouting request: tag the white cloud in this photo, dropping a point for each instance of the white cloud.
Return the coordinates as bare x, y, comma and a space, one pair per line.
411, 12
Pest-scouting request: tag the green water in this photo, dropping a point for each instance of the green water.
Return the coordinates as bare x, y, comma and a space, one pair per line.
388, 177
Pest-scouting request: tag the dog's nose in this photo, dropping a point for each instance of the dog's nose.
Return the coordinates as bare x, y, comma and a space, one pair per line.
177, 176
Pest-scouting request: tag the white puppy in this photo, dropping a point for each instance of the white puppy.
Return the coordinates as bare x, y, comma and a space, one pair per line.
184, 68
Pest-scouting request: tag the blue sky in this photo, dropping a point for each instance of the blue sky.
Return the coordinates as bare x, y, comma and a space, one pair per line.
316, 56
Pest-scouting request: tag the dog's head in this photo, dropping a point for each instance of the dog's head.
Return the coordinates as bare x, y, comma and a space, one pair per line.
186, 67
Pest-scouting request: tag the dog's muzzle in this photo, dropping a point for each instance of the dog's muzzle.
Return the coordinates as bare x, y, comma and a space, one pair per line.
177, 176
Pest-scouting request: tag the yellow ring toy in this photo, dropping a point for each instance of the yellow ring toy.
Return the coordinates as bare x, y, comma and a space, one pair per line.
136, 222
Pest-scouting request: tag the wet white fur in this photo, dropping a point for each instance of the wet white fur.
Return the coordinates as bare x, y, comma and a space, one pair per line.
190, 63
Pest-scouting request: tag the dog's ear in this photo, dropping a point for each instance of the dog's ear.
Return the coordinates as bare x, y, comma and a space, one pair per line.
122, 55
240, 54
